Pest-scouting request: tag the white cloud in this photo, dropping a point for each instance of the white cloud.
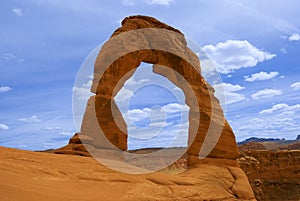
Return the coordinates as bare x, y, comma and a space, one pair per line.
8, 57
294, 37
175, 107
83, 92
132, 82
32, 119
4, 127
128, 3
266, 93
65, 133
123, 95
282, 107
4, 89
283, 51
207, 67
52, 128
229, 87
18, 11
296, 86
139, 114
127, 91
148, 123
160, 2
228, 92
280, 120
261, 76
157, 114
235, 54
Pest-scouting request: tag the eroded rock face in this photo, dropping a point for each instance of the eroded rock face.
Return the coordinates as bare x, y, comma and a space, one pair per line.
139, 40
76, 146
273, 175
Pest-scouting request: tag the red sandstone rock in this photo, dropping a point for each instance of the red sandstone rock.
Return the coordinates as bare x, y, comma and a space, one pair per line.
209, 132
210, 135
252, 146
274, 176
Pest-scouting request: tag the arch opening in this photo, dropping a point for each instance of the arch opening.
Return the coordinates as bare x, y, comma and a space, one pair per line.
154, 110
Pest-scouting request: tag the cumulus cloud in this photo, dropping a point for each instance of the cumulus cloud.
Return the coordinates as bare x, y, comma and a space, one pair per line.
260, 76
4, 127
4, 89
278, 120
132, 82
166, 120
174, 107
207, 67
294, 37
32, 119
296, 86
282, 107
228, 92
157, 114
266, 93
160, 2
18, 11
232, 55
139, 114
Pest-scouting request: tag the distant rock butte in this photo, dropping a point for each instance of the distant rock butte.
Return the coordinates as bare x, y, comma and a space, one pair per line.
271, 144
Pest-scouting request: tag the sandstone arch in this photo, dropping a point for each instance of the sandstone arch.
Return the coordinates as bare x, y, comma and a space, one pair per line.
125, 50
184, 62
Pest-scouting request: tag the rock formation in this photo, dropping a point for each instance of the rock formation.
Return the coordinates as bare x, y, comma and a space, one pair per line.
209, 132
251, 146
76, 146
212, 148
274, 176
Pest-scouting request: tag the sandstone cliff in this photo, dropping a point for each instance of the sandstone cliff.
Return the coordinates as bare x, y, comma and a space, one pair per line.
274, 176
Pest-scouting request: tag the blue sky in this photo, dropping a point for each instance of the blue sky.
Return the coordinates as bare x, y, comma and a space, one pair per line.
254, 45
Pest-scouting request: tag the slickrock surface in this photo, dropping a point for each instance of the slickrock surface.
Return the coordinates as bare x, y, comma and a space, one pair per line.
274, 176
29, 176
